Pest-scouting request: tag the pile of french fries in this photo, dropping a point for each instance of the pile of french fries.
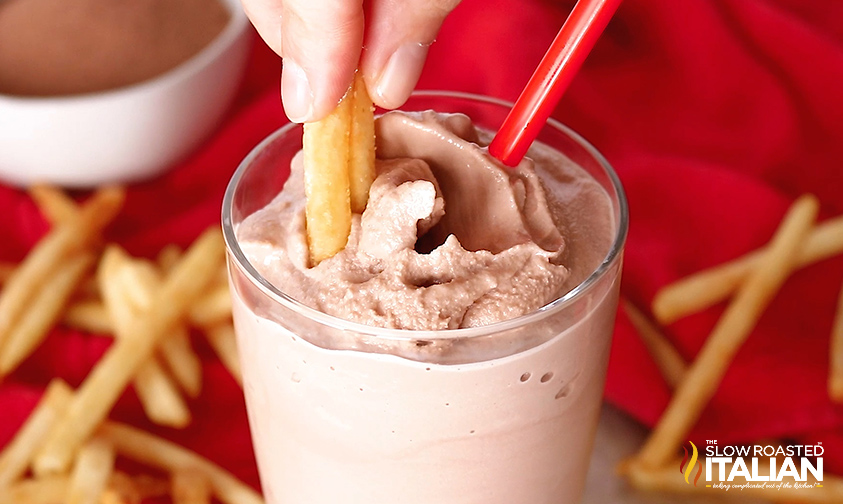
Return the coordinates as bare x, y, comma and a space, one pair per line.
750, 283
339, 167
66, 450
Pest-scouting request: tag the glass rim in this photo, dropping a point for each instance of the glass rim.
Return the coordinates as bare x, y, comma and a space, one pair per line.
334, 322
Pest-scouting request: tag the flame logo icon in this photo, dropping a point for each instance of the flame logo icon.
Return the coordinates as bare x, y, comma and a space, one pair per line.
687, 470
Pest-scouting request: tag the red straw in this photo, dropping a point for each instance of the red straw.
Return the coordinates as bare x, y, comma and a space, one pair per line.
552, 77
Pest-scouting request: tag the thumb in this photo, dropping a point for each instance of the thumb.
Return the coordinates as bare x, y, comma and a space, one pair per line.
320, 43
397, 39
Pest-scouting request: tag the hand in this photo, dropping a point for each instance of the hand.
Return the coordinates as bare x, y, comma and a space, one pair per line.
322, 41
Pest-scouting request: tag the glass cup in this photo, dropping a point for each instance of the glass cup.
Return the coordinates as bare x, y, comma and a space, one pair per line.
346, 413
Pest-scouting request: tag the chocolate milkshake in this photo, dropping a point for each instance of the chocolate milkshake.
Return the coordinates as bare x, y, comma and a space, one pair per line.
455, 350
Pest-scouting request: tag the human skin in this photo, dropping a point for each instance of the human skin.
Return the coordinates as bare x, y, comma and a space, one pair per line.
323, 42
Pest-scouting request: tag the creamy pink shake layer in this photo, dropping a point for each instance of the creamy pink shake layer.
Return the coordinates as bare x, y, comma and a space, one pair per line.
449, 238
351, 427
479, 412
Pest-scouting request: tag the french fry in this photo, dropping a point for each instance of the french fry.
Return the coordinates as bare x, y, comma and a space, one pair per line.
171, 253
123, 488
671, 365
182, 361
211, 309
45, 308
150, 486
93, 468
18, 454
168, 256
56, 206
154, 451
361, 162
190, 487
103, 386
139, 279
222, 277
90, 316
158, 395
48, 490
339, 167
87, 289
111, 496
224, 343
325, 146
140, 282
6, 270
706, 372
835, 378
43, 260
706, 288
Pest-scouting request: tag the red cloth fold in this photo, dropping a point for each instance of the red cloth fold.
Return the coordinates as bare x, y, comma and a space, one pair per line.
715, 113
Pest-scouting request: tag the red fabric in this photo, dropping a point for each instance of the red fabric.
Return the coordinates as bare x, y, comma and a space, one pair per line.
715, 113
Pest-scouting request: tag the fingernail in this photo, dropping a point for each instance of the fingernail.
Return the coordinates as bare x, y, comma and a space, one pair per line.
296, 94
400, 74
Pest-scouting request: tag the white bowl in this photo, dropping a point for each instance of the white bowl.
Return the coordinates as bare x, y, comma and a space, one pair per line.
129, 133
